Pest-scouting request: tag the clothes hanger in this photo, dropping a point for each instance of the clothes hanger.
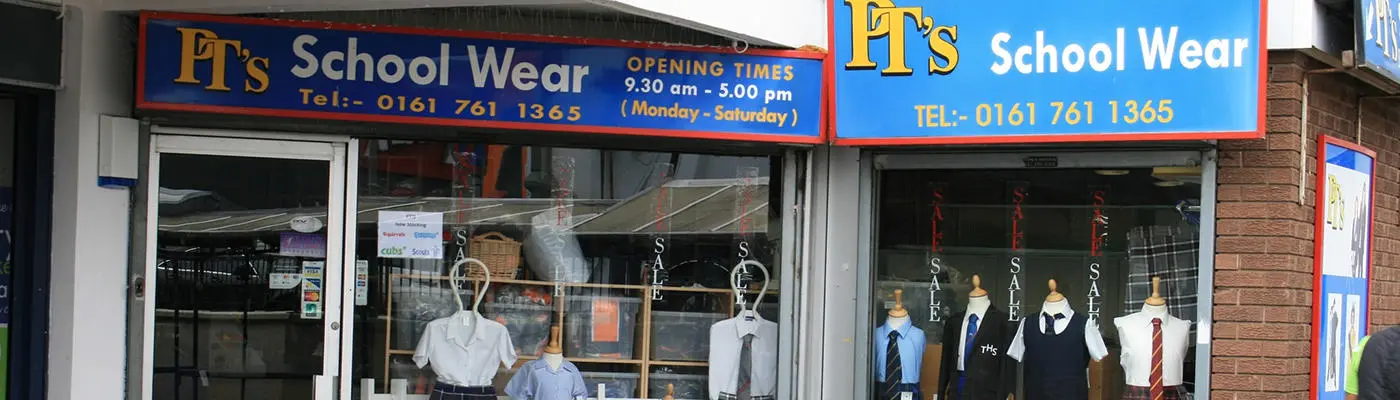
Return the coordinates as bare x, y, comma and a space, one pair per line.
456, 281
1156, 299
748, 314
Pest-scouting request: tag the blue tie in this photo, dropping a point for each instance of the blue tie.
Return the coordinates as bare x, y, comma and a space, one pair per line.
967, 348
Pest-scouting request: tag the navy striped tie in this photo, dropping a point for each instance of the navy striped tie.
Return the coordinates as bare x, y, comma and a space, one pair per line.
894, 368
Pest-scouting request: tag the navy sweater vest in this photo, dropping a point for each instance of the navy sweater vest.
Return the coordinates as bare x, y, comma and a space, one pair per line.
1056, 364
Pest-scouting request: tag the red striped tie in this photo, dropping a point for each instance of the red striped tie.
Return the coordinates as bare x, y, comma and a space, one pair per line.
1155, 379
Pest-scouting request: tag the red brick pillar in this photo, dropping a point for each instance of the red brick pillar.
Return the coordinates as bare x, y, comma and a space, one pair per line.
1263, 261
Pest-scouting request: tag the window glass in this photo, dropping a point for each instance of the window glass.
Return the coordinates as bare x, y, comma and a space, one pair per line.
1102, 236
628, 255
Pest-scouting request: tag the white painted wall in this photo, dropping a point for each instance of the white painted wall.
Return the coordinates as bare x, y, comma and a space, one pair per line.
786, 23
87, 343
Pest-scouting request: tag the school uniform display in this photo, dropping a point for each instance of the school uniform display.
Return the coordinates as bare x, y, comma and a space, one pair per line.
744, 349
1154, 349
537, 381
899, 355
1055, 350
465, 351
979, 368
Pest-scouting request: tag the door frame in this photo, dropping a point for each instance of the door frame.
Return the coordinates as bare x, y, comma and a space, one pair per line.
331, 149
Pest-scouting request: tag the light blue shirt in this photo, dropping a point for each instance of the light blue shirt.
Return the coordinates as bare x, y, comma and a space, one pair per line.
911, 351
535, 381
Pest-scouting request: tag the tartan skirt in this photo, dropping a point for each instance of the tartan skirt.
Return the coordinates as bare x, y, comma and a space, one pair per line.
1168, 393
443, 391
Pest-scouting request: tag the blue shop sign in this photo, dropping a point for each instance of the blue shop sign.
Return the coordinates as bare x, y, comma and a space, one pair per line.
929, 71
1378, 36
261, 67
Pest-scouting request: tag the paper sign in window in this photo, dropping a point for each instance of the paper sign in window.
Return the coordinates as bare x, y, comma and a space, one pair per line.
607, 321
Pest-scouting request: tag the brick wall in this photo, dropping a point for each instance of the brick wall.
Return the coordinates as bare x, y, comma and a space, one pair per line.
1264, 263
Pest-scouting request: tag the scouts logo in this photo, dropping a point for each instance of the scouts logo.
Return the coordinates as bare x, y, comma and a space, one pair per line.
1336, 205
872, 20
205, 60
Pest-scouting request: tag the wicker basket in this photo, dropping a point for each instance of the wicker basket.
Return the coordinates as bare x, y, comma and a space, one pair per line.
500, 253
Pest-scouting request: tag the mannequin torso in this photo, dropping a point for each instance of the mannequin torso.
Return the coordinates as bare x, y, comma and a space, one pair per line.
896, 322
975, 306
1135, 332
554, 360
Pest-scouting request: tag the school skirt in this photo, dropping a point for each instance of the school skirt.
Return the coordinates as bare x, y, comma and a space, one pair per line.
1144, 393
443, 391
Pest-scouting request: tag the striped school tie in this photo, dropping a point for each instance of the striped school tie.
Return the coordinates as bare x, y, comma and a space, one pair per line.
894, 371
745, 388
1155, 378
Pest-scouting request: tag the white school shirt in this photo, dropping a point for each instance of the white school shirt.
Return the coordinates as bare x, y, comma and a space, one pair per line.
1092, 338
1135, 331
727, 341
962, 334
463, 358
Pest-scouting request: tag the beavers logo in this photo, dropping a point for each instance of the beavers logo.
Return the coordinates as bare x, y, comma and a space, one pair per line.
204, 47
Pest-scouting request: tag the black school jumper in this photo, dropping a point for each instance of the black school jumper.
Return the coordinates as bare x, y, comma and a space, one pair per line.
1056, 364
991, 374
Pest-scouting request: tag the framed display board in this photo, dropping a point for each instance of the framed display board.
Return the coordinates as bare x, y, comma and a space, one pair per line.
1341, 260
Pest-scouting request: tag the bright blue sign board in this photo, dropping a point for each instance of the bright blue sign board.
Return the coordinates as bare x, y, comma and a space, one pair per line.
941, 71
300, 69
1378, 36
1342, 261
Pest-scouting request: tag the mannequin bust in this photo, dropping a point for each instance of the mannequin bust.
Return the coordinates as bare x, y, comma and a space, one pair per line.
977, 300
1135, 331
670, 392
897, 316
911, 343
1054, 302
554, 353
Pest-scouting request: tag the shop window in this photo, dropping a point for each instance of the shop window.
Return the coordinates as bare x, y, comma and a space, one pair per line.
1101, 236
633, 268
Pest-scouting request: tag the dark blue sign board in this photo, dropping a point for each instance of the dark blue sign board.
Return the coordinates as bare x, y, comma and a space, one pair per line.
334, 71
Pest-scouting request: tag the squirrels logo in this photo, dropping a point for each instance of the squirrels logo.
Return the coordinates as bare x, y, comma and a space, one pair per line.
875, 19
204, 47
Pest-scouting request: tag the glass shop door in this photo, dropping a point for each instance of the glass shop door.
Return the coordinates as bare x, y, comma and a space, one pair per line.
244, 261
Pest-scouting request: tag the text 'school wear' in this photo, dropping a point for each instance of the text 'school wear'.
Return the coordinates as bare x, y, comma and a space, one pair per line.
990, 374
1057, 363
911, 351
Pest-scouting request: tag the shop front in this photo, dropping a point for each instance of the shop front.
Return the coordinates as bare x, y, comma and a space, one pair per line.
1035, 189
349, 210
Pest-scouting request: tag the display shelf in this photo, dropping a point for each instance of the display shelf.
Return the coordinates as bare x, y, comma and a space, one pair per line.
679, 363
641, 347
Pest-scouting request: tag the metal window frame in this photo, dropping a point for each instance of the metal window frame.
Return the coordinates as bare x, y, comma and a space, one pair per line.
871, 162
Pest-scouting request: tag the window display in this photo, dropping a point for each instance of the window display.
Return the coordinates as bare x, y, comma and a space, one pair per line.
1017, 272
631, 273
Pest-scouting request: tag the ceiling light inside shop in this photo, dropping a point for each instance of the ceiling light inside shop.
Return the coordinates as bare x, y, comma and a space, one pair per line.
1183, 174
1111, 172
1169, 183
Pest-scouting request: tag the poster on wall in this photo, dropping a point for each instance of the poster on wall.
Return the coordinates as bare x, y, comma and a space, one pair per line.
1342, 261
407, 234
1018, 71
